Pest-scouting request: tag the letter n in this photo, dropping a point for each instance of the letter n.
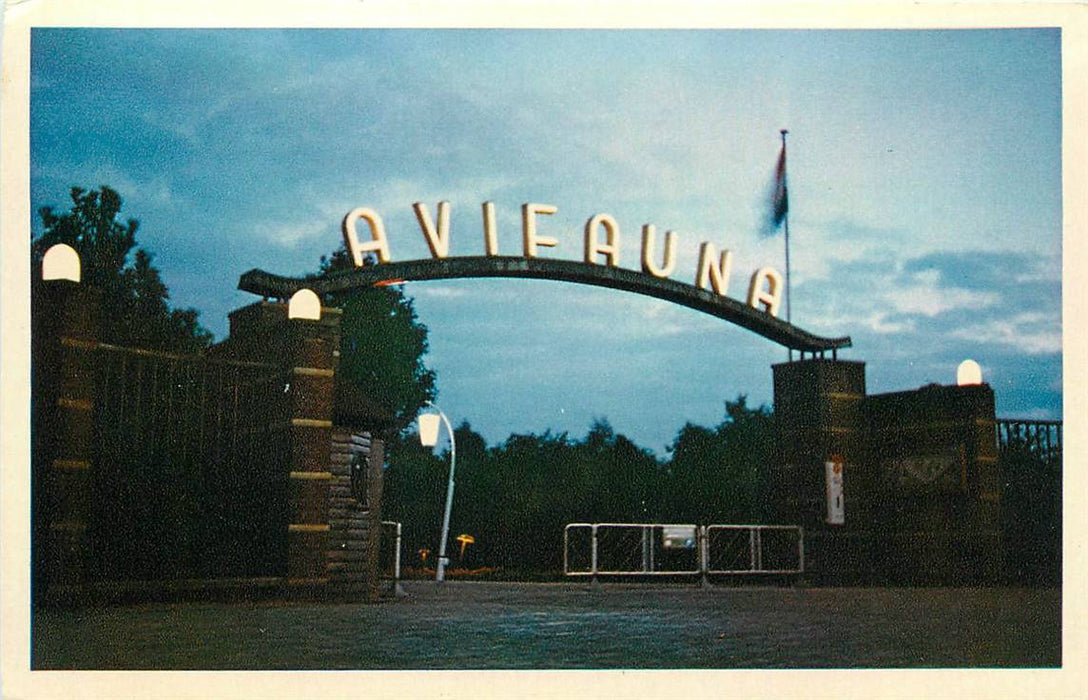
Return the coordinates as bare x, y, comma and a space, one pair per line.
711, 274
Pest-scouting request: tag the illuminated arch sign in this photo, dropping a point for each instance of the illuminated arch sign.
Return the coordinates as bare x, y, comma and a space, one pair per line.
599, 267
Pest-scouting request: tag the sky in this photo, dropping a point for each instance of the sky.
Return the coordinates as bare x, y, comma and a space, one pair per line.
924, 172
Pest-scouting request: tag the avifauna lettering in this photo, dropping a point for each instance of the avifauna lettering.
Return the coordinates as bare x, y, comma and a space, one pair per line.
712, 271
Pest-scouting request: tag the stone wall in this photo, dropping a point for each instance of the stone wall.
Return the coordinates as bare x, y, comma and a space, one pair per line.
920, 476
355, 494
330, 526
935, 450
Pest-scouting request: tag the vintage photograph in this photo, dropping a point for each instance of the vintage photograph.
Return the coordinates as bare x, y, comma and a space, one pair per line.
536, 347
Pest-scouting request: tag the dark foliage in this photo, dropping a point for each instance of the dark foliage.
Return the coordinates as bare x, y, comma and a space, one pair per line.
382, 346
515, 498
134, 297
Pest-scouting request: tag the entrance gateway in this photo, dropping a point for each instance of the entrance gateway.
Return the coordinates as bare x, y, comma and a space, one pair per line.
892, 487
902, 486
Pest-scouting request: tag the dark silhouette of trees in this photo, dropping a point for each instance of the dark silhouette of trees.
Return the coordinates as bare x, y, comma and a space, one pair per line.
626, 481
716, 473
415, 491
515, 498
134, 297
382, 346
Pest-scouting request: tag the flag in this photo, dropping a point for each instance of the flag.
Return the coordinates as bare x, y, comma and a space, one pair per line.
780, 199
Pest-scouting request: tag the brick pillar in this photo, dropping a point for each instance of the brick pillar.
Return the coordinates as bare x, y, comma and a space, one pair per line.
817, 411
818, 416
310, 360
307, 353
65, 319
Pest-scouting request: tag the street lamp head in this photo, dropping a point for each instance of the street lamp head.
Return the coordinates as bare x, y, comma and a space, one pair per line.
428, 429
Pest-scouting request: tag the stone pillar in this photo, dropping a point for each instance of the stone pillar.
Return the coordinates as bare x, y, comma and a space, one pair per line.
817, 412
307, 352
819, 418
65, 321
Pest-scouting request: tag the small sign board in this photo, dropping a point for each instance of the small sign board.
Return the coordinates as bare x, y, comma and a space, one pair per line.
678, 536
836, 511
936, 472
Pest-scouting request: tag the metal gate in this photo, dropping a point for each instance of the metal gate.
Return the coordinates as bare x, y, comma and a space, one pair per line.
657, 549
188, 479
754, 549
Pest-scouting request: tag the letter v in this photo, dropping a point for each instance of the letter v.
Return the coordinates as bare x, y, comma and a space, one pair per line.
437, 239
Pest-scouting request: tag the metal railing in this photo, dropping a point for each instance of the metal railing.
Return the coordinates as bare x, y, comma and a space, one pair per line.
187, 453
628, 549
389, 550
754, 549
1041, 439
655, 549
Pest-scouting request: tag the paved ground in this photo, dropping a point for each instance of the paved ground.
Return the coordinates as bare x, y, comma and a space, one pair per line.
571, 625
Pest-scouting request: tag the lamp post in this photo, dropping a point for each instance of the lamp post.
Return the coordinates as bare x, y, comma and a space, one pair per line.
428, 435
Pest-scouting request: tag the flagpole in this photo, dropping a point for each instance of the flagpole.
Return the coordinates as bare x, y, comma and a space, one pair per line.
786, 222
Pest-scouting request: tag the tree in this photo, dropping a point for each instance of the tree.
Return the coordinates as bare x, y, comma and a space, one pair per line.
538, 474
625, 478
134, 296
717, 474
382, 346
749, 437
695, 491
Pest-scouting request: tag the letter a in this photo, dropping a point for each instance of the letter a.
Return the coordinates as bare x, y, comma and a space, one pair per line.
611, 249
771, 297
378, 241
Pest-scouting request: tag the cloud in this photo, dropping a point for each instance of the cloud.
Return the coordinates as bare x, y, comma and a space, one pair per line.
1030, 333
439, 292
881, 323
932, 301
914, 318
981, 269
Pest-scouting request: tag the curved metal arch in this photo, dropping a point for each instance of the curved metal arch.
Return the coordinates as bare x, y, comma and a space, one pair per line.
759, 322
